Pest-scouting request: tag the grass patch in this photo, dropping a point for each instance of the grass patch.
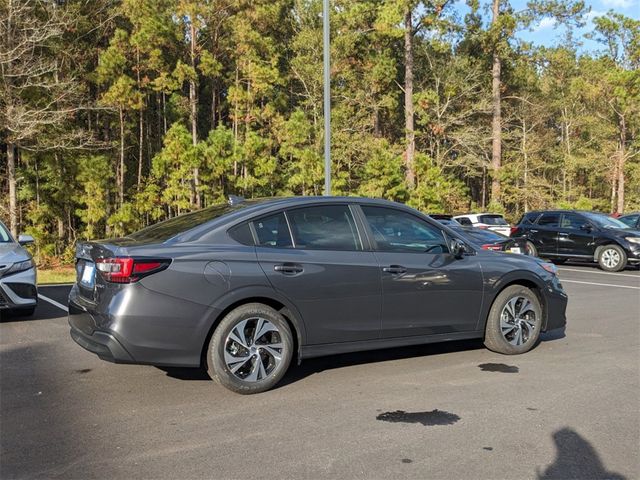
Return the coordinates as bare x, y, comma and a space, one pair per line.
56, 275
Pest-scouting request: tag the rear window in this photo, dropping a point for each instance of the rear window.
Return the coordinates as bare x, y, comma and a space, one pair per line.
464, 221
163, 231
492, 220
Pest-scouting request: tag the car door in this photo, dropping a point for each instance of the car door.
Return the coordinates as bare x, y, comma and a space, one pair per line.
575, 236
425, 289
314, 256
544, 234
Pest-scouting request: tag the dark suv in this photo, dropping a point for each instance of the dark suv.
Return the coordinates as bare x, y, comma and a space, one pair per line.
566, 234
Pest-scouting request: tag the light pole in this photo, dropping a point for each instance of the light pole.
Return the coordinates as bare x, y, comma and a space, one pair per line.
327, 98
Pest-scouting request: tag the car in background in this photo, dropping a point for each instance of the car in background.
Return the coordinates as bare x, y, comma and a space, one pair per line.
246, 288
18, 291
444, 219
488, 221
562, 235
631, 219
489, 240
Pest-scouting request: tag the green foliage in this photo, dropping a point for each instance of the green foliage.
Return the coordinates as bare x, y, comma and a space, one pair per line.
256, 69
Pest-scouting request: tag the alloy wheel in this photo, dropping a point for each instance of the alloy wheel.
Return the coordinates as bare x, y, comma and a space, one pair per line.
610, 258
253, 349
518, 320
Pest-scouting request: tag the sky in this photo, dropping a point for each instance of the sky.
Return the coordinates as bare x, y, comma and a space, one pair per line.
547, 33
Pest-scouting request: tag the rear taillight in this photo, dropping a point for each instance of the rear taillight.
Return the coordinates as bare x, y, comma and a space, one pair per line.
128, 269
490, 246
513, 230
483, 227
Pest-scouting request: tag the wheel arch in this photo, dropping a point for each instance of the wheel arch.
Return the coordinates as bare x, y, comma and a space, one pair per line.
526, 279
265, 296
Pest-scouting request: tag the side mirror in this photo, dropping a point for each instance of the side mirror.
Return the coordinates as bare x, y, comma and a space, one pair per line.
457, 248
25, 239
586, 227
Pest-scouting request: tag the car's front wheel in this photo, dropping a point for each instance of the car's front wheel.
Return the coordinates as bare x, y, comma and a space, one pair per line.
514, 321
251, 349
612, 258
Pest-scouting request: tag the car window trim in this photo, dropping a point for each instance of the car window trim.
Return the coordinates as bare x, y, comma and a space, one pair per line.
267, 215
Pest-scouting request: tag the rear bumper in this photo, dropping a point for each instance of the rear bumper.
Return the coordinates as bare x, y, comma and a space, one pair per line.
148, 331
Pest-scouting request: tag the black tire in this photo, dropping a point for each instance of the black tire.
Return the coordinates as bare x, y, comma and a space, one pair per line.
530, 249
217, 367
607, 256
495, 340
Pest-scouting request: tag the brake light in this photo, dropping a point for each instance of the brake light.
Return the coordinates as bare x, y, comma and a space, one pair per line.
128, 269
513, 230
489, 246
483, 227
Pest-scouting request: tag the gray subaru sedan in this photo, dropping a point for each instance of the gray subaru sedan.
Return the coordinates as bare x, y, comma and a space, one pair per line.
244, 288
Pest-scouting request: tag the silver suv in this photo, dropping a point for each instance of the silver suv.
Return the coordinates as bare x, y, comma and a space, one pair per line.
18, 292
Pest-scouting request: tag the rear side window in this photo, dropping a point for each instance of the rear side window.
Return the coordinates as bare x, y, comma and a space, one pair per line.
398, 231
464, 221
273, 231
242, 234
326, 227
572, 221
549, 220
529, 218
492, 220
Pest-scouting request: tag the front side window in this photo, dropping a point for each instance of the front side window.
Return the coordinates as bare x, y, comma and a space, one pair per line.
572, 221
398, 231
549, 220
273, 231
325, 227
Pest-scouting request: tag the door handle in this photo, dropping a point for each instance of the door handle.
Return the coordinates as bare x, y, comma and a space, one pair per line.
395, 269
288, 268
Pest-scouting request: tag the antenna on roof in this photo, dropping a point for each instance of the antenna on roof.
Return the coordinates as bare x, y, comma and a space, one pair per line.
235, 200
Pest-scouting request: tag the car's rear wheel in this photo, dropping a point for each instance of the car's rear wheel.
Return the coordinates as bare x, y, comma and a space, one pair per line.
612, 258
251, 349
530, 249
514, 321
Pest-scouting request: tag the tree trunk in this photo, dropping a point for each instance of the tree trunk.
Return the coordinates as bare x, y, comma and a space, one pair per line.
621, 162
140, 120
121, 172
409, 157
193, 100
496, 127
13, 195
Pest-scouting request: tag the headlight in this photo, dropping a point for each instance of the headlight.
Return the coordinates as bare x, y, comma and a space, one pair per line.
633, 239
20, 266
549, 267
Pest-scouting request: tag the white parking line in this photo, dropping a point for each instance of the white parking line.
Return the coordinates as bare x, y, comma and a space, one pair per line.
53, 302
600, 273
562, 280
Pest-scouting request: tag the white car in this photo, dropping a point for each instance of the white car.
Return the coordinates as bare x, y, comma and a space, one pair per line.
488, 221
18, 291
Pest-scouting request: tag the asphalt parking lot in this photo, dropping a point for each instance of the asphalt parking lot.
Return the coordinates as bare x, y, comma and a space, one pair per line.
568, 409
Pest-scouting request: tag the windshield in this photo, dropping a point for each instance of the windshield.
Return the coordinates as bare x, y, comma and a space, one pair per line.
492, 220
4, 234
163, 231
604, 221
